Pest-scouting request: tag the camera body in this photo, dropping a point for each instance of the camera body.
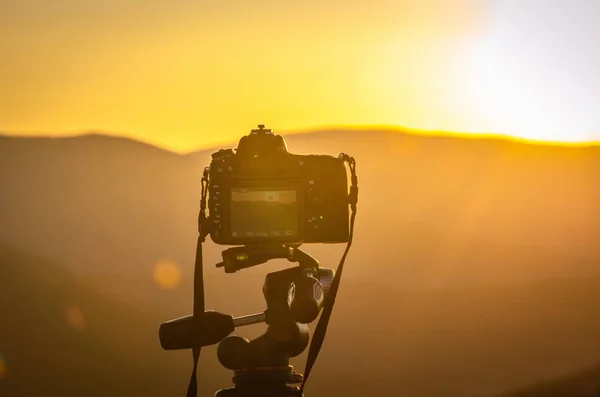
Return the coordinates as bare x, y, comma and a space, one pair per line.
262, 194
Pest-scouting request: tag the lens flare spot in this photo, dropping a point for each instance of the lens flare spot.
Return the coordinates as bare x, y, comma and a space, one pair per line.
167, 274
74, 318
2, 367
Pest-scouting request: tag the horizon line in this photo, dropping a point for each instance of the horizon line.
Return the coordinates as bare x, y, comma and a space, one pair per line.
328, 128
446, 133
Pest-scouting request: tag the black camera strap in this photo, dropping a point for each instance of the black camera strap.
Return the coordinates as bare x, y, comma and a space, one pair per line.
199, 304
321, 329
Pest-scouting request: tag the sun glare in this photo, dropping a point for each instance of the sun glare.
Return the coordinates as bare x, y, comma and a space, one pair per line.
521, 88
512, 99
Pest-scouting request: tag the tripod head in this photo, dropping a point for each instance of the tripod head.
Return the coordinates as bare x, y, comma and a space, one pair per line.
294, 298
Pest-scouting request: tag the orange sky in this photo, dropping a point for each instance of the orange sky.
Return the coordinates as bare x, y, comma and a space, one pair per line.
185, 74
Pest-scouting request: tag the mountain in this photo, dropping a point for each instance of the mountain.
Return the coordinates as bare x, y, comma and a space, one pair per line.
59, 337
487, 209
105, 203
474, 268
581, 384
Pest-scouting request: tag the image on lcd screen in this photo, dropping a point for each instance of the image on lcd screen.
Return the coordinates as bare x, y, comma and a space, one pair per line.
263, 212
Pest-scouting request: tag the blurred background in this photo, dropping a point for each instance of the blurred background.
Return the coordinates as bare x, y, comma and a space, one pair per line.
475, 269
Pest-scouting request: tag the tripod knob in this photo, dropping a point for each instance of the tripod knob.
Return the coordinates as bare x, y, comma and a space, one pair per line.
234, 352
305, 297
326, 277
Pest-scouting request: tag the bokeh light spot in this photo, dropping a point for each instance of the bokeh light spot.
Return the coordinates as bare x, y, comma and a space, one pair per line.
167, 274
74, 318
2, 367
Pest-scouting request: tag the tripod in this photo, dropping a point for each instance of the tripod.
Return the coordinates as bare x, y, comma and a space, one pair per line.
294, 298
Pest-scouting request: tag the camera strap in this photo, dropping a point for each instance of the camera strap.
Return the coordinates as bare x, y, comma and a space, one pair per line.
321, 329
199, 303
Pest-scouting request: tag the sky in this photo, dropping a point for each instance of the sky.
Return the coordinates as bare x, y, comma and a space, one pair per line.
186, 74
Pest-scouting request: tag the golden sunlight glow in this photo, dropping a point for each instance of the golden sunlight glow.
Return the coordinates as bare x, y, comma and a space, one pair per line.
507, 95
193, 74
167, 274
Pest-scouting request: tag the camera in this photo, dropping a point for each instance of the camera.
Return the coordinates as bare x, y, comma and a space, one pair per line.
263, 194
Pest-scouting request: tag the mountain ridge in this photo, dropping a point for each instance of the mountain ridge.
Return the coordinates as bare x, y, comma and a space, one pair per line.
140, 203
410, 133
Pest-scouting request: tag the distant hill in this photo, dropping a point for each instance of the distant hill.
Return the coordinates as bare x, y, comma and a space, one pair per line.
107, 204
58, 337
110, 205
581, 384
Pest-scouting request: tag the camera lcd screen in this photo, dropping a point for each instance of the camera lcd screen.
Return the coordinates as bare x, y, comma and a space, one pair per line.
264, 212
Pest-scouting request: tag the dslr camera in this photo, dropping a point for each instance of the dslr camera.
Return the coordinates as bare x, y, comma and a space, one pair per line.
261, 194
